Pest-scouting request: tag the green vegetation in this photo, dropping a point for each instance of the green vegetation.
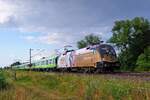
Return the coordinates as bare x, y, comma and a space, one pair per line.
62, 86
15, 63
143, 61
131, 37
88, 40
3, 83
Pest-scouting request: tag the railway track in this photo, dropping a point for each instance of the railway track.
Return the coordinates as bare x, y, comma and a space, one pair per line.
139, 75
144, 76
117, 73
126, 75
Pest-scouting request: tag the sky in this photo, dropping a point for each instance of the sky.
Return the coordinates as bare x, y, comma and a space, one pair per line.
52, 24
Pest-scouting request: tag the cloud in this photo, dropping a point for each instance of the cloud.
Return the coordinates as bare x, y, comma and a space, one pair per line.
68, 38
49, 16
65, 21
29, 38
6, 12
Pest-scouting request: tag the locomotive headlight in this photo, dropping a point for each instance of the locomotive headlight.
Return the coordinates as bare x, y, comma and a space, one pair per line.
103, 59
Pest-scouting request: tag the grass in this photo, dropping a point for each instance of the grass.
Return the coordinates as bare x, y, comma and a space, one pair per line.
3, 83
64, 86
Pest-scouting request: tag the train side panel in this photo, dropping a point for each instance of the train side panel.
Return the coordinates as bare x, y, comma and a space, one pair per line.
66, 60
86, 58
45, 63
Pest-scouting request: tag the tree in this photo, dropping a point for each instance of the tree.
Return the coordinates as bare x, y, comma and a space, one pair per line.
143, 61
15, 63
131, 37
81, 44
88, 40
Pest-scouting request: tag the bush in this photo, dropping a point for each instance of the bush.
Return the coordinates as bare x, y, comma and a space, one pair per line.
3, 82
143, 61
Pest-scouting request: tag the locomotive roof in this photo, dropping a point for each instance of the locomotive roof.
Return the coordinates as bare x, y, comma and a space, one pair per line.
89, 49
83, 50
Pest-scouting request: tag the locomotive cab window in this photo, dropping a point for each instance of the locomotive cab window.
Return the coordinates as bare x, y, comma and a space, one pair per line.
106, 49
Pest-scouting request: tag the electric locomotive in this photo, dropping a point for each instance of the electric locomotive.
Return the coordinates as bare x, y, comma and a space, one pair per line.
98, 57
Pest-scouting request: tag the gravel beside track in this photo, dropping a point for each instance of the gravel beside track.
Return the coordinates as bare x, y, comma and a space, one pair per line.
145, 76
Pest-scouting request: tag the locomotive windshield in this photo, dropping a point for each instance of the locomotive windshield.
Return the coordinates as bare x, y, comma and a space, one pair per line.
107, 49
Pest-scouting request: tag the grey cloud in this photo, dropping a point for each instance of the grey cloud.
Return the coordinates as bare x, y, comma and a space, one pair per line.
69, 19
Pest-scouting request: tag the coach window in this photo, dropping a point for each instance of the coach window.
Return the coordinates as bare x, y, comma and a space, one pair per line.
33, 64
46, 62
50, 61
36, 64
43, 63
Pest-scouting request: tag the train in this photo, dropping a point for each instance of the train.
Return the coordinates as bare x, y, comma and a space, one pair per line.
95, 58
